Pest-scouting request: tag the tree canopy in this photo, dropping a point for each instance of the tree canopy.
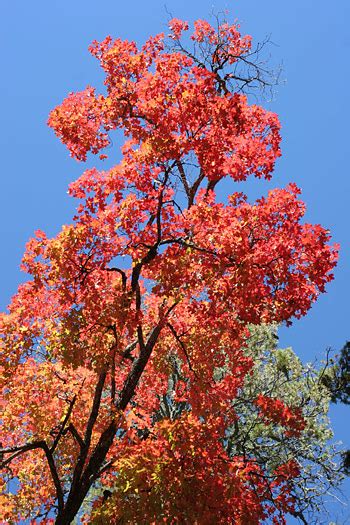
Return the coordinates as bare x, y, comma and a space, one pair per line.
158, 280
277, 373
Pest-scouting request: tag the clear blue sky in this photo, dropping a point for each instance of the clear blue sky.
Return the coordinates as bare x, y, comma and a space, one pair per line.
44, 56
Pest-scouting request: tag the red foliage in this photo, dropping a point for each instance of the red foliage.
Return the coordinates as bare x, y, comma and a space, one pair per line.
274, 410
155, 276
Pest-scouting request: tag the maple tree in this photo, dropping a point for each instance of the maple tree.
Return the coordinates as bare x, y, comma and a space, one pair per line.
276, 373
155, 272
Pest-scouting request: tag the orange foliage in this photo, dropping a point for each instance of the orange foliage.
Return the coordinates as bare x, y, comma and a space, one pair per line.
154, 273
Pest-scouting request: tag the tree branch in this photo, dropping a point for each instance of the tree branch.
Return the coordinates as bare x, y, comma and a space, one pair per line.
71, 428
183, 347
50, 460
61, 430
184, 181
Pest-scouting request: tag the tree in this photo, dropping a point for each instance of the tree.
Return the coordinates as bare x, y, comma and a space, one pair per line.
155, 271
337, 377
276, 373
279, 373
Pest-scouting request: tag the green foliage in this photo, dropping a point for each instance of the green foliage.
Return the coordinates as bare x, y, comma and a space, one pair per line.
279, 373
336, 378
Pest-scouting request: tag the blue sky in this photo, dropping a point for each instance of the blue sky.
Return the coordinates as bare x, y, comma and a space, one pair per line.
44, 56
